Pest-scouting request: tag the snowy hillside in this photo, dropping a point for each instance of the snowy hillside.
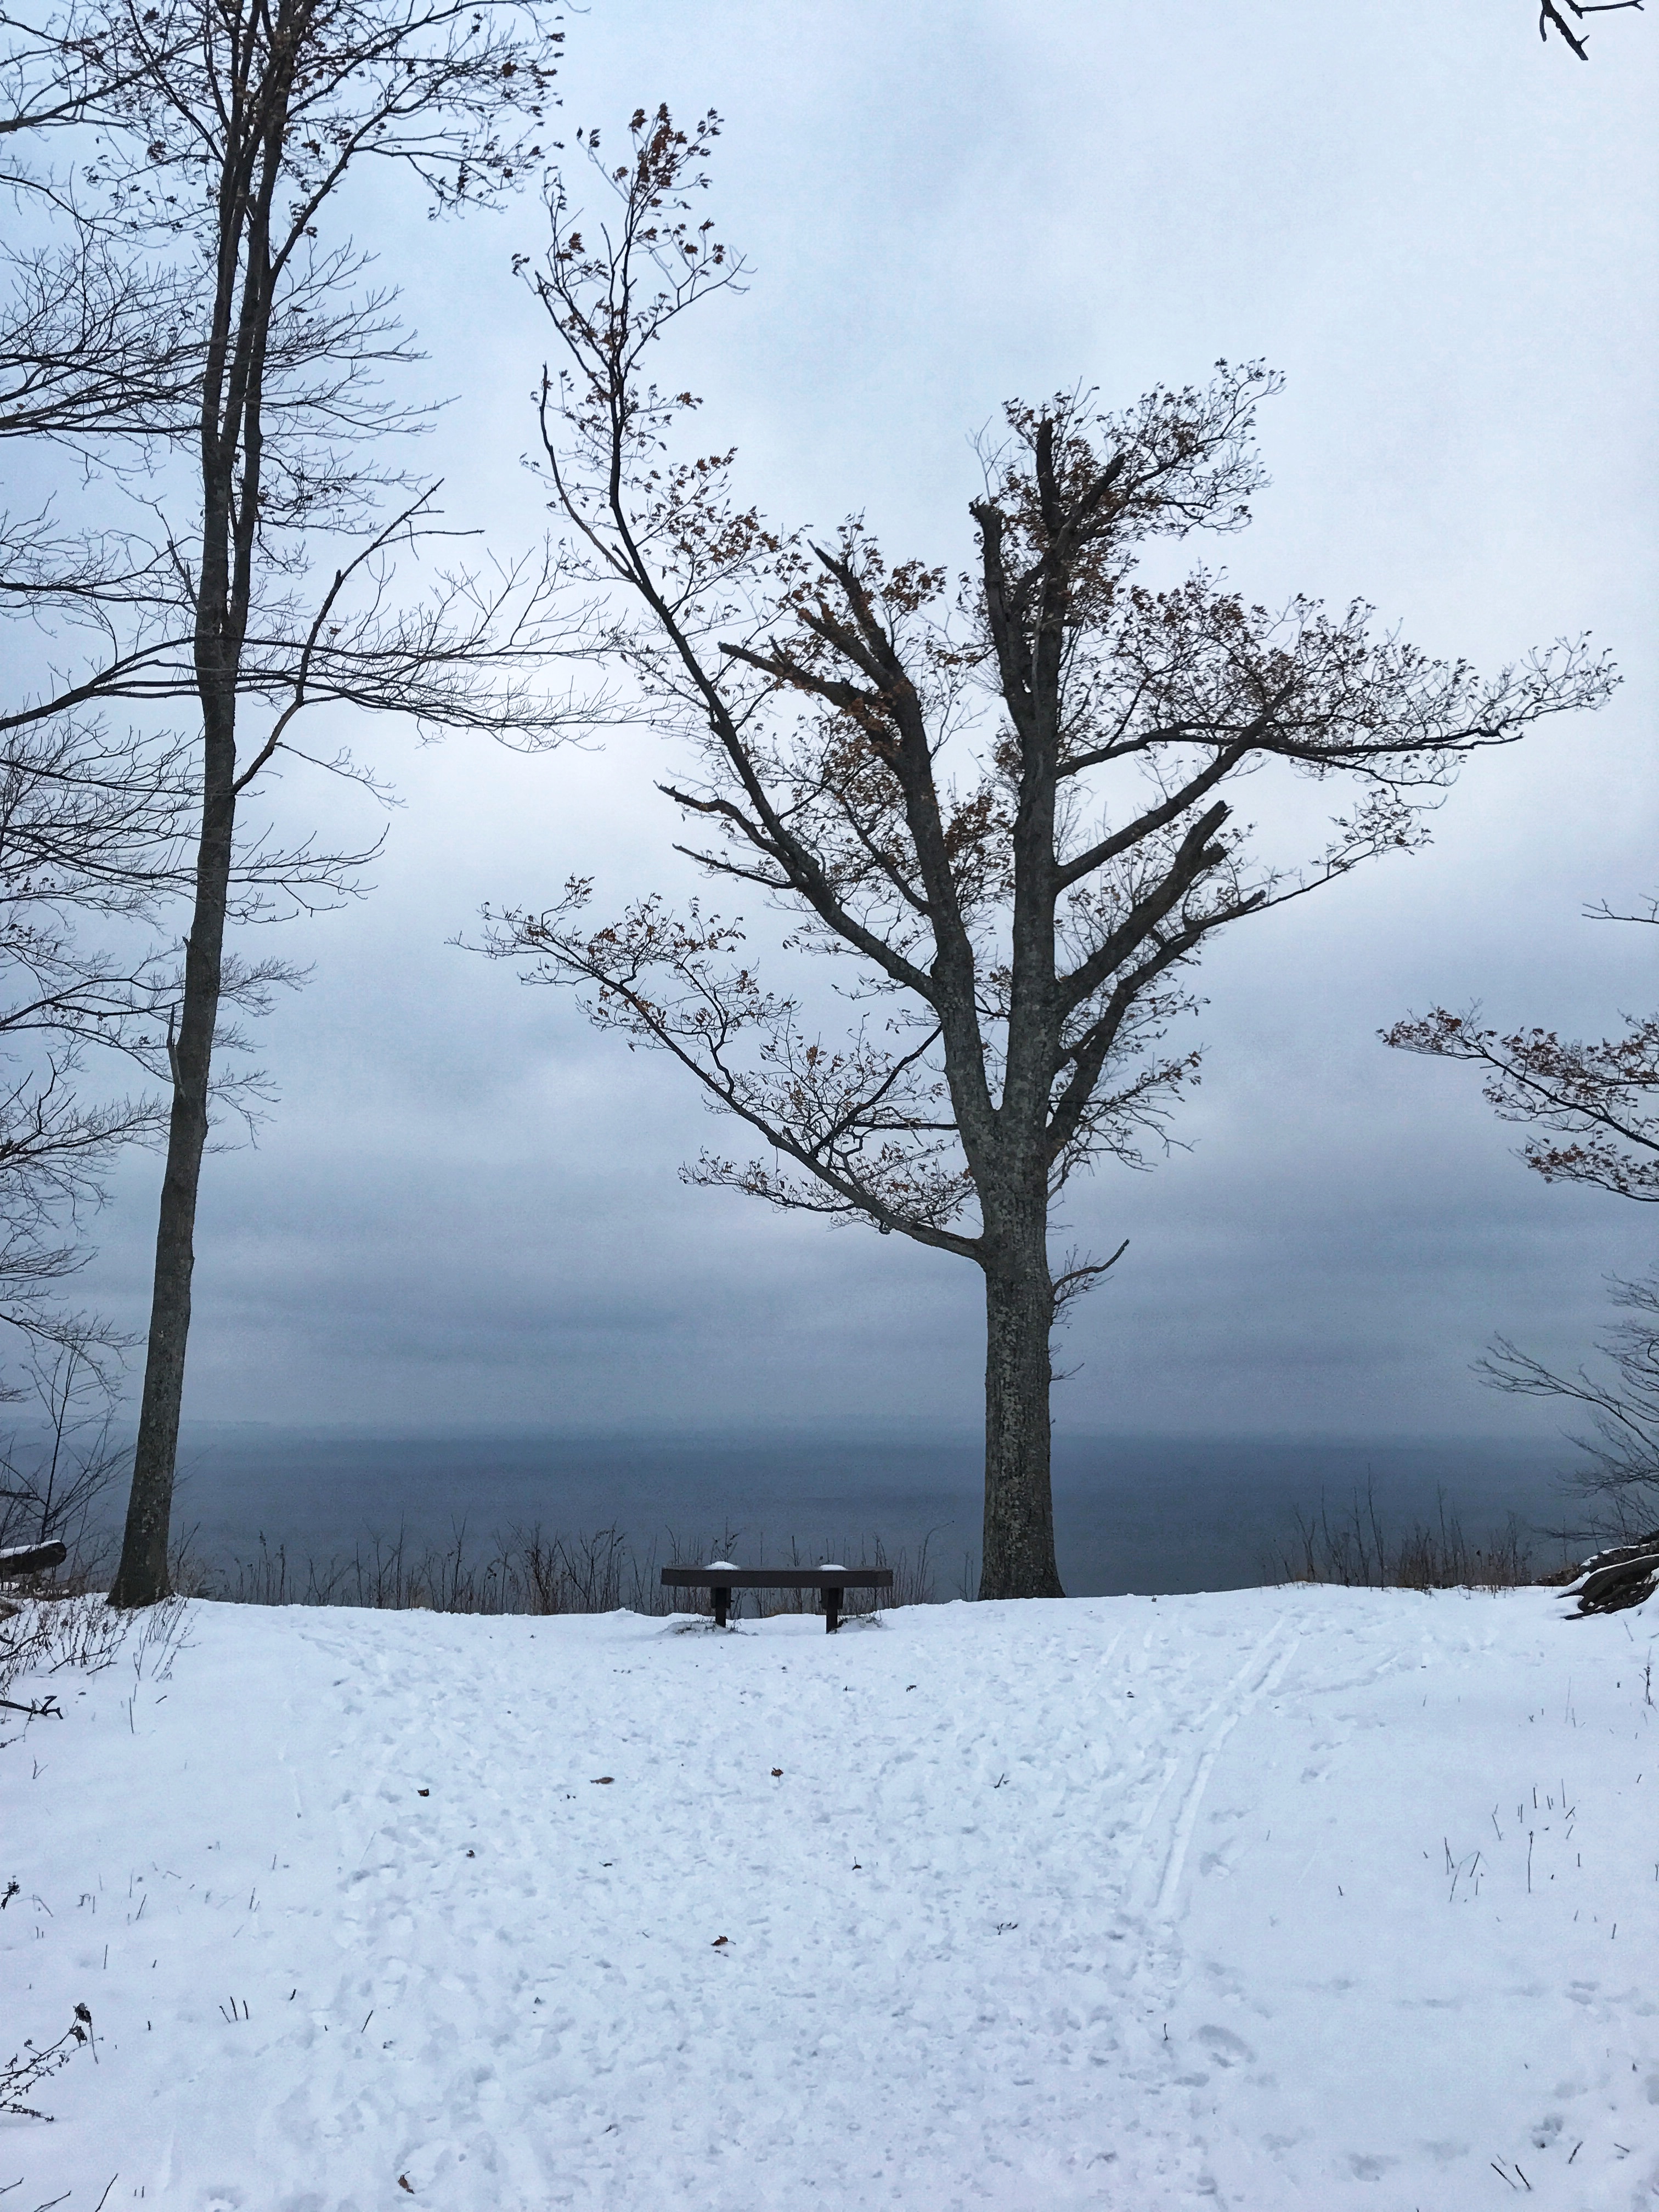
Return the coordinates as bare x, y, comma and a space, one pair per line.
1281, 1899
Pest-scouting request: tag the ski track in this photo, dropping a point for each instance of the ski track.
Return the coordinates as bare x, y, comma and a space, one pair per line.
1011, 1928
1254, 1679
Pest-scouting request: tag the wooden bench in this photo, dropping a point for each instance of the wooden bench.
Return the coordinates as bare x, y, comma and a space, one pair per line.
719, 1577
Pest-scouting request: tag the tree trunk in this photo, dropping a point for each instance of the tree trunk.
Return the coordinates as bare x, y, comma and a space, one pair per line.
142, 1577
1017, 1558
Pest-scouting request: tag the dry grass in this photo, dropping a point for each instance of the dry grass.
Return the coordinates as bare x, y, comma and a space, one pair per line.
1357, 1552
21, 2075
61, 1633
528, 1571
43, 1636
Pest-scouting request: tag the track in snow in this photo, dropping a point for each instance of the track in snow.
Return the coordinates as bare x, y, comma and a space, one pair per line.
1115, 1903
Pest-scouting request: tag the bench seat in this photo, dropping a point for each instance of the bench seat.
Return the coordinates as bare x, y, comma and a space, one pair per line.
720, 1580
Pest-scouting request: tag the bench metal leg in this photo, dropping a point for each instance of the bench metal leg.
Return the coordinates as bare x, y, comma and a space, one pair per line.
831, 1611
722, 1599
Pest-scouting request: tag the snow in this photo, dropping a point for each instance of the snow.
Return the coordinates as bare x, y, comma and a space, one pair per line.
1118, 1903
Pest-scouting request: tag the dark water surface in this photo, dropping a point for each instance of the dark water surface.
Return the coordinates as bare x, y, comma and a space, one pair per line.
1131, 1513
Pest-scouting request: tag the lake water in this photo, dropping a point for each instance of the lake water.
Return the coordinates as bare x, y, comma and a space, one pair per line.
1147, 1514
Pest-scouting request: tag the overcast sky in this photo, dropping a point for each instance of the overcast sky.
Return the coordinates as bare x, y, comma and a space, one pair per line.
466, 1210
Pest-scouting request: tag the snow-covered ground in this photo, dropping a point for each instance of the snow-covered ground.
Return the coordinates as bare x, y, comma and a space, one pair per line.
1278, 1899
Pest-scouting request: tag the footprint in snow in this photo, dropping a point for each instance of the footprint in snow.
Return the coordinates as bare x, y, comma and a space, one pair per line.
1224, 2047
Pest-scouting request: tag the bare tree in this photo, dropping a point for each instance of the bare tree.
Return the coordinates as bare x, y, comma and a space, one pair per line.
1550, 18
51, 72
221, 135
96, 345
1602, 1096
1596, 1106
90, 843
1003, 804
1618, 1472
101, 357
54, 1475
97, 358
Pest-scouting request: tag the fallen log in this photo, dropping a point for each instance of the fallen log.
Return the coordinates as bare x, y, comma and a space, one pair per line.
1623, 1576
31, 1559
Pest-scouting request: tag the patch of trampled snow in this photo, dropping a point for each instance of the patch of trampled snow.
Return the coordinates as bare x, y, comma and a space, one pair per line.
1273, 1900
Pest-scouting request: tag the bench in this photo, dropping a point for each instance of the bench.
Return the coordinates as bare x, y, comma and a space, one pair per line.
719, 1577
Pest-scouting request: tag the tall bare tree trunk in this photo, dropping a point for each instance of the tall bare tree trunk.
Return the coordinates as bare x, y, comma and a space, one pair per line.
142, 1577
239, 121
1018, 1552
232, 456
